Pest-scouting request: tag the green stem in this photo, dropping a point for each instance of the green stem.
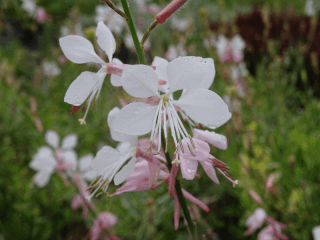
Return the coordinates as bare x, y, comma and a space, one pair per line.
134, 35
177, 185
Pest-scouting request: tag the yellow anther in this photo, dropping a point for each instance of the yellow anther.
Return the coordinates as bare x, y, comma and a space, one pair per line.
191, 150
82, 121
236, 182
191, 140
100, 193
181, 147
176, 161
166, 147
94, 181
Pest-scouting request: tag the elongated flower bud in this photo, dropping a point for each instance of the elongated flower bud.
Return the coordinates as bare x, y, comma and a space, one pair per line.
169, 10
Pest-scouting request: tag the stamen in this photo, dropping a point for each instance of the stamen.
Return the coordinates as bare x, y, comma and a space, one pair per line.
105, 184
100, 193
96, 178
82, 121
176, 161
175, 152
192, 142
190, 150
156, 153
166, 147
181, 147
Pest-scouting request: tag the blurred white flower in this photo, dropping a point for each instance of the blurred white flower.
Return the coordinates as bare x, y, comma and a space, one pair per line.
128, 41
29, 6
310, 8
209, 41
230, 50
77, 28
179, 24
51, 69
232, 104
112, 19
46, 159
175, 51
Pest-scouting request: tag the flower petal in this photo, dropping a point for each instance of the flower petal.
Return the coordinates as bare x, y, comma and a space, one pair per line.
161, 65
135, 119
70, 157
117, 136
186, 72
125, 171
210, 171
41, 178
85, 161
105, 157
213, 138
115, 79
52, 138
43, 158
106, 40
204, 106
188, 167
69, 141
140, 81
209, 74
79, 50
90, 175
80, 88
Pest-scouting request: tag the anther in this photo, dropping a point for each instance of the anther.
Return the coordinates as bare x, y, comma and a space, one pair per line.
191, 140
175, 152
100, 193
166, 147
94, 181
181, 147
105, 184
190, 150
82, 121
156, 153
176, 161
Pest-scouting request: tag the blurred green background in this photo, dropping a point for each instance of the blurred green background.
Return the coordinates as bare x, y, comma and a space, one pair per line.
274, 128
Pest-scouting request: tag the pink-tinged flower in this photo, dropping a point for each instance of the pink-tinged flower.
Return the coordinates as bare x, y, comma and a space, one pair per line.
41, 15
238, 73
271, 179
29, 6
88, 84
254, 196
104, 223
179, 24
113, 20
199, 104
277, 227
139, 181
153, 9
62, 60
230, 50
271, 232
175, 51
255, 221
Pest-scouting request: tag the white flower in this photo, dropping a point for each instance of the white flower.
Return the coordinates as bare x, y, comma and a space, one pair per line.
112, 19
175, 51
231, 104
230, 50
201, 105
128, 41
79, 50
51, 69
77, 28
310, 8
45, 160
179, 24
29, 6
82, 167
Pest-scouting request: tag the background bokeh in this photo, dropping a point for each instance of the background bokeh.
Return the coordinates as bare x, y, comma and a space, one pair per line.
274, 128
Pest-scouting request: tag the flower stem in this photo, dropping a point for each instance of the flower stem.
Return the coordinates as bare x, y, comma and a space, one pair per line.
181, 198
134, 35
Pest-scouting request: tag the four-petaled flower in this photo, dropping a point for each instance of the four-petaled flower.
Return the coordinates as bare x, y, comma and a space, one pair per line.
88, 84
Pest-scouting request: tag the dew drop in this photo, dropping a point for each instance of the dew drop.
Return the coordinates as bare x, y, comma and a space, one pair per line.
68, 100
129, 69
138, 107
186, 60
135, 112
217, 122
144, 73
201, 71
189, 171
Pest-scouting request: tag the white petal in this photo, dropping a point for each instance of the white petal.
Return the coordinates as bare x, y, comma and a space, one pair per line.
105, 157
161, 65
213, 138
115, 79
79, 50
140, 81
126, 170
89, 176
43, 159
209, 76
69, 141
52, 138
106, 40
80, 88
186, 72
188, 168
70, 157
204, 106
118, 136
135, 119
41, 178
85, 161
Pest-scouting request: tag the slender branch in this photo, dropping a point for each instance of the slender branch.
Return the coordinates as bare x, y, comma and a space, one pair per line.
134, 35
117, 10
181, 198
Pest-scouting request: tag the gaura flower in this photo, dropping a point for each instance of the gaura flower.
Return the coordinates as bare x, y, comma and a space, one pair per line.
230, 50
114, 21
199, 104
105, 220
255, 221
88, 84
46, 160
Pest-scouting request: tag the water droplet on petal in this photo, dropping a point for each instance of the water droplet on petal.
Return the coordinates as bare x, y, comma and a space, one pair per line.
186, 60
144, 73
189, 171
218, 123
201, 71
129, 69
68, 100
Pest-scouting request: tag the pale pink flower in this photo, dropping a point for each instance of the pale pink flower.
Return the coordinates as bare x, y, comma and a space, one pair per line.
153, 9
230, 50
41, 15
255, 221
271, 179
104, 221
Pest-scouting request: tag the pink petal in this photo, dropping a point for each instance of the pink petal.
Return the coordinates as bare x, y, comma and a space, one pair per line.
195, 200
188, 167
172, 177
255, 196
176, 211
211, 137
210, 171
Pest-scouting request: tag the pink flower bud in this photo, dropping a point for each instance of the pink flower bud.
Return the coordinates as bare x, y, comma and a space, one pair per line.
169, 10
41, 15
